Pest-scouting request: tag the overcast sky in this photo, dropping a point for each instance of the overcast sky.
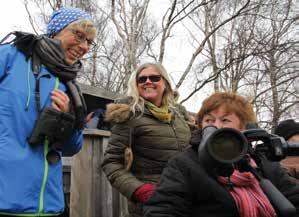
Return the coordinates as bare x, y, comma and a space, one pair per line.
13, 17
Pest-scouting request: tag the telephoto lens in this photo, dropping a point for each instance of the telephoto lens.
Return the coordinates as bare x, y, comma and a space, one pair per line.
220, 148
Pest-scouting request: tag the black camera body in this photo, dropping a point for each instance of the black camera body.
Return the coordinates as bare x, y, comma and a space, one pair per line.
220, 147
274, 147
54, 125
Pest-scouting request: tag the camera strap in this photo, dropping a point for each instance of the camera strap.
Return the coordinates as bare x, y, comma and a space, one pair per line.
36, 67
78, 102
37, 93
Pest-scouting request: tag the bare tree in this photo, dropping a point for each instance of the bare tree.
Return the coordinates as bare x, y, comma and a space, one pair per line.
135, 30
239, 44
40, 18
210, 33
280, 62
175, 14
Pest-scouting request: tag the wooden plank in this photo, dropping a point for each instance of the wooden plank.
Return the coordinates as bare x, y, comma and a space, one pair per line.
80, 202
91, 192
105, 199
101, 133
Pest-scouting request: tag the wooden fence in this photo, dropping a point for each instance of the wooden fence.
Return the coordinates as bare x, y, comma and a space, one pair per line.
91, 195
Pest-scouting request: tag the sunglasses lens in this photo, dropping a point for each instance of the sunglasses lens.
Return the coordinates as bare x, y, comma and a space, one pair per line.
152, 78
142, 79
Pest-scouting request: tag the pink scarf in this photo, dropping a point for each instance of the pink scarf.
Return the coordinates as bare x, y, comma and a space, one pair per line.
248, 195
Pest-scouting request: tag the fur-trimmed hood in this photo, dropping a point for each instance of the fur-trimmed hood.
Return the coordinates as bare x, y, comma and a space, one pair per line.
117, 112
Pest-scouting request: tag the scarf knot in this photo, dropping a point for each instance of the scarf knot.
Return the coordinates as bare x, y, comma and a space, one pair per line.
161, 113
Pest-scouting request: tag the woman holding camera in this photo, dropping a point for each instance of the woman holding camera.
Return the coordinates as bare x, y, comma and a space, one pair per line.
39, 120
148, 130
189, 189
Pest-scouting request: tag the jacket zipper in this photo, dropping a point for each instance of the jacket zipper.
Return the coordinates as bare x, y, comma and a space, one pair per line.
176, 136
46, 169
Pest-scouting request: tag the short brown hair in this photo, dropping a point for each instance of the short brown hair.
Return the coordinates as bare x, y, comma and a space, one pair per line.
232, 103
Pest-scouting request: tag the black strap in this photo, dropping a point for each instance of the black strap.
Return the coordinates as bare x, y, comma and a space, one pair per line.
37, 95
78, 103
2, 42
36, 67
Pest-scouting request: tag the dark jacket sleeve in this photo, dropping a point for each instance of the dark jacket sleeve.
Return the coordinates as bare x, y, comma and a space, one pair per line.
74, 144
113, 163
283, 182
172, 198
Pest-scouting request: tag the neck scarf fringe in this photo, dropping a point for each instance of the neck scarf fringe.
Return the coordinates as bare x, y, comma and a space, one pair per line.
248, 195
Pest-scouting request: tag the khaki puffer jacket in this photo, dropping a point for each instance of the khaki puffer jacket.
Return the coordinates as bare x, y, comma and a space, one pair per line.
153, 143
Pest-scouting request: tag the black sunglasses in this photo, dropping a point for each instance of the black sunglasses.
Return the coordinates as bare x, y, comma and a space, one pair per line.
152, 78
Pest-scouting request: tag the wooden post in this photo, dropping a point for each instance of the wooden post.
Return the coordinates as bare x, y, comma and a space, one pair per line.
91, 193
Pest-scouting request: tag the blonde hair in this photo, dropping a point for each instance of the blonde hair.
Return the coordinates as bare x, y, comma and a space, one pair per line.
83, 25
137, 101
232, 103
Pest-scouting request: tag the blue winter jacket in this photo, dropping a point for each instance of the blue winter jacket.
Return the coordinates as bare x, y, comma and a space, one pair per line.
29, 185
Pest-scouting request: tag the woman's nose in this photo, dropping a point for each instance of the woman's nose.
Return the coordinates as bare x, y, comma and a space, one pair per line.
84, 46
147, 81
218, 124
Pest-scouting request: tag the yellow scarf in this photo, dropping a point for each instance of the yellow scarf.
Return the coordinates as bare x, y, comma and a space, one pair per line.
161, 113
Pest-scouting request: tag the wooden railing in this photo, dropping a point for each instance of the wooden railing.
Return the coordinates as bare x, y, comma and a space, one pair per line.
91, 195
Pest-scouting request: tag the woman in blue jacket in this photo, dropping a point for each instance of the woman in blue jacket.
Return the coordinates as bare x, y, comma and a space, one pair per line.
37, 74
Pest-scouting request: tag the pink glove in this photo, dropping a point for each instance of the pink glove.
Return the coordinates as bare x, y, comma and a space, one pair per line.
144, 192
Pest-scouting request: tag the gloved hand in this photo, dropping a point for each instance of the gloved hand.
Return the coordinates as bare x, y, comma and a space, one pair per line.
144, 192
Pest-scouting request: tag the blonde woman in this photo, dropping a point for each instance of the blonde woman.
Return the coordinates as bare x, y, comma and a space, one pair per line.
149, 130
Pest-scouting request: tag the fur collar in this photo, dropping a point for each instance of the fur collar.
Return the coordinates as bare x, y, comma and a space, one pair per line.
117, 112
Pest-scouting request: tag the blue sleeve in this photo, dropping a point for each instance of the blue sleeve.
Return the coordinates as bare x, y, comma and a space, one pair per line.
74, 145
7, 53
2, 65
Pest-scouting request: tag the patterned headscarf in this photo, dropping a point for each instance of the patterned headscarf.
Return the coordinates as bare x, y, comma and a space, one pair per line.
63, 17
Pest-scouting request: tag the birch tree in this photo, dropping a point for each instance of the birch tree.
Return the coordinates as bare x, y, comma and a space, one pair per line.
279, 58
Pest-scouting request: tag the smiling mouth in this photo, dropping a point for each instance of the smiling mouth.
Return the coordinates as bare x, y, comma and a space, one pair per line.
149, 86
73, 54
